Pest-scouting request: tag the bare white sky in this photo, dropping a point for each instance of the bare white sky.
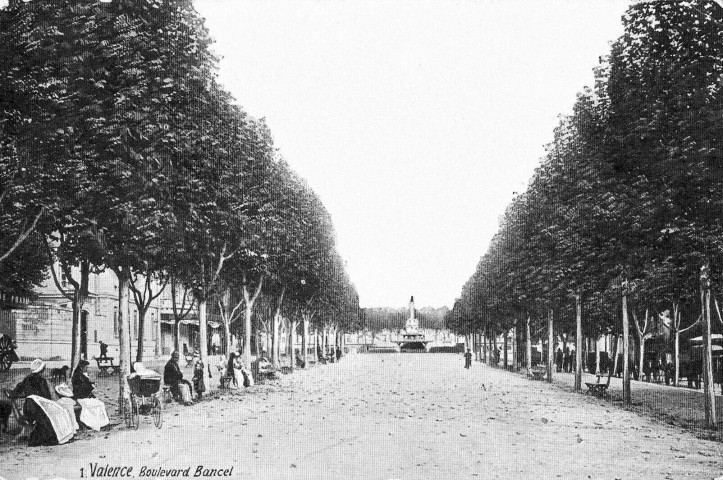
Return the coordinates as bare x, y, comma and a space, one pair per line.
415, 121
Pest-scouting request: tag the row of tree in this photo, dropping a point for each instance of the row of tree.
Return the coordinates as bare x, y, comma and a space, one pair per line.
119, 150
623, 215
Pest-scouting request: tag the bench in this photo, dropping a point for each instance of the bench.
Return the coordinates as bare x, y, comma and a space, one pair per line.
538, 374
598, 389
106, 365
18, 405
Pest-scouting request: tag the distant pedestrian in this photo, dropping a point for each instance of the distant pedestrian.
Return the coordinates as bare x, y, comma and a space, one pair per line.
573, 360
566, 360
468, 359
558, 360
103, 349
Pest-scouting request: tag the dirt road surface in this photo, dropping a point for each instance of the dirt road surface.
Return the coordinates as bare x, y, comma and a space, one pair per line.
388, 416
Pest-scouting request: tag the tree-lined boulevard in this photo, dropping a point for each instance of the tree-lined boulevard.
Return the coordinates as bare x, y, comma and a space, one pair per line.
386, 416
120, 151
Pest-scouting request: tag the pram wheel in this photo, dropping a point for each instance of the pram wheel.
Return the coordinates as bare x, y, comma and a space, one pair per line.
135, 421
157, 412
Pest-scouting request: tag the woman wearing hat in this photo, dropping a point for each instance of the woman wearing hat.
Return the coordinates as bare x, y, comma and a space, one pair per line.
53, 424
33, 384
65, 400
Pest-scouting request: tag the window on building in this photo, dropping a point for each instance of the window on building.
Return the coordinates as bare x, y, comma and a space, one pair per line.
95, 336
154, 326
63, 279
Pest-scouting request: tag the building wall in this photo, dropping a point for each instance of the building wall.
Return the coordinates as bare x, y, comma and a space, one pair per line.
44, 328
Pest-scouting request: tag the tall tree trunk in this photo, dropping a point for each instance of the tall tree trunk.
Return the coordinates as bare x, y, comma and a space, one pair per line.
710, 418
504, 345
597, 356
550, 345
203, 340
641, 358
157, 326
627, 399
177, 335
515, 353
292, 337
484, 346
275, 340
141, 333
124, 325
226, 339
250, 298
677, 357
80, 296
578, 342
305, 340
528, 345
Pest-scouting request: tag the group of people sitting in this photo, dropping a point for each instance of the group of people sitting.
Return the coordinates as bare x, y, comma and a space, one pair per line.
55, 422
233, 368
331, 355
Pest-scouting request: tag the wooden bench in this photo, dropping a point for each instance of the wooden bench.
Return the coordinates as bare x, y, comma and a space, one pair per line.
106, 365
18, 408
598, 389
538, 374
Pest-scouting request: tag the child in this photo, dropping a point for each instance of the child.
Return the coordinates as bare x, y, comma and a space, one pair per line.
198, 383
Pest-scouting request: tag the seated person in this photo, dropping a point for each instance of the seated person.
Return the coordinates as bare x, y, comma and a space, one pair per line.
53, 424
299, 361
262, 366
82, 386
320, 354
66, 400
173, 377
92, 413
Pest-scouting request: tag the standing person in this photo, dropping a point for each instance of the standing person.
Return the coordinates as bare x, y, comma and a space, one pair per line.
566, 359
573, 360
198, 382
338, 353
233, 369
173, 377
558, 360
468, 359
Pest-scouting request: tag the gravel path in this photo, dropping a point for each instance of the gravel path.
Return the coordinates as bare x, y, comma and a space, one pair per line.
391, 416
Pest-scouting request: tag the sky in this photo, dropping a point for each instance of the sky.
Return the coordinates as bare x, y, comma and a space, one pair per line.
414, 121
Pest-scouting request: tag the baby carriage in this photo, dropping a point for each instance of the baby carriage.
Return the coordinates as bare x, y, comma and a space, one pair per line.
144, 385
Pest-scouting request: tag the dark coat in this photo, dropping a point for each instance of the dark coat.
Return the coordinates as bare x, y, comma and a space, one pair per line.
172, 373
33, 384
82, 386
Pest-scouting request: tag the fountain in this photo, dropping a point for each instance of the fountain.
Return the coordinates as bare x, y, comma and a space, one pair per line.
412, 340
